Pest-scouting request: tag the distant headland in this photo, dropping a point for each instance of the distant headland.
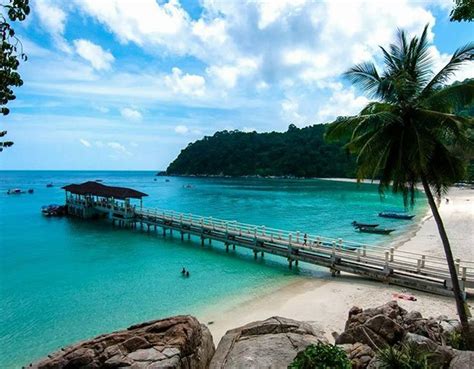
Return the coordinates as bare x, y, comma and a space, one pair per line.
296, 153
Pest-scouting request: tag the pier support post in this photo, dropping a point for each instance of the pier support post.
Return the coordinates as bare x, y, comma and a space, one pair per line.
202, 240
255, 253
290, 263
164, 232
182, 236
189, 236
226, 247
262, 254
296, 263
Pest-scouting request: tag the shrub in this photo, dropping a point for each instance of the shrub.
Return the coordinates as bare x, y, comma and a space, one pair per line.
321, 356
405, 356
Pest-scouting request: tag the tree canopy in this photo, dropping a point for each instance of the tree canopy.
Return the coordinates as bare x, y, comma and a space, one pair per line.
12, 53
299, 152
463, 10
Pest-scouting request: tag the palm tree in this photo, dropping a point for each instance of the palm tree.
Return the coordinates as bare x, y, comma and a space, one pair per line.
411, 132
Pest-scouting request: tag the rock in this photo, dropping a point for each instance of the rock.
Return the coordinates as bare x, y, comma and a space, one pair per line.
462, 360
271, 343
359, 354
172, 343
438, 356
387, 324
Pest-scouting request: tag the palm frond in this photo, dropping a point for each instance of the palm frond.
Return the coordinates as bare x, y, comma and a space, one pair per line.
448, 99
461, 56
365, 76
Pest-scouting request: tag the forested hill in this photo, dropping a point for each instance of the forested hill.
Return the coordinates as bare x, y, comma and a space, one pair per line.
299, 152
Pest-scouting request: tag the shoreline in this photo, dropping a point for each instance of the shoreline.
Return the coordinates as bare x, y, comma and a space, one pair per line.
327, 300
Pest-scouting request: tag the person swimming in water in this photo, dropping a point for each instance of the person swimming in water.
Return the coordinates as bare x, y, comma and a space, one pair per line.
187, 273
183, 272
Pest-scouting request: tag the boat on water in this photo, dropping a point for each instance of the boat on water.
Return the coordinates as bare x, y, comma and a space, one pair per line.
53, 210
364, 225
31, 190
49, 185
15, 191
396, 215
375, 230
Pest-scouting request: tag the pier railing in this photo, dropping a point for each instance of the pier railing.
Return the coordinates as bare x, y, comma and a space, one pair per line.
388, 263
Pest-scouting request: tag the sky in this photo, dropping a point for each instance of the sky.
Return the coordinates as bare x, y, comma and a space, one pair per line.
127, 84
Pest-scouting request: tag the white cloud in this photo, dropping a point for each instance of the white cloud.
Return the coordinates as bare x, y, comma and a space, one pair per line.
186, 84
53, 20
85, 142
94, 54
131, 114
51, 16
227, 75
181, 129
342, 102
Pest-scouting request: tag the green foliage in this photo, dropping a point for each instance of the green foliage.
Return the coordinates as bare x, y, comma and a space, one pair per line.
321, 356
412, 130
456, 341
12, 53
405, 356
297, 152
463, 10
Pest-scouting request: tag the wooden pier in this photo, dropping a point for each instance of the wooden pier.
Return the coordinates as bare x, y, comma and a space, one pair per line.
389, 265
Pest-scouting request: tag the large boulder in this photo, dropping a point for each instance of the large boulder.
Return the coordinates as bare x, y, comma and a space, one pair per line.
377, 327
271, 343
179, 342
359, 354
462, 360
386, 325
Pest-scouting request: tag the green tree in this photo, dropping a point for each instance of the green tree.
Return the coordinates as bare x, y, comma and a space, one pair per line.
412, 134
12, 53
463, 11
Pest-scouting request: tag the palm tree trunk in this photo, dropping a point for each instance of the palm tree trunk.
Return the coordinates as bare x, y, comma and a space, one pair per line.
458, 295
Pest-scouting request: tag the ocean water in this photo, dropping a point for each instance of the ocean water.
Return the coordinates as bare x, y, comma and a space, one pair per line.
64, 279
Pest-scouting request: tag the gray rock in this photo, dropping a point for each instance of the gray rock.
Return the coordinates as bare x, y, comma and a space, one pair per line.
439, 356
177, 342
359, 354
272, 343
462, 360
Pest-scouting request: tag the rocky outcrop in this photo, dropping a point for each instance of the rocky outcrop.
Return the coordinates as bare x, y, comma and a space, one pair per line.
386, 325
376, 327
177, 342
271, 343
462, 360
359, 354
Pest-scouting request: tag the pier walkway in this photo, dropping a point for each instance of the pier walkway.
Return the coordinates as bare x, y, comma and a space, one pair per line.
386, 264
390, 265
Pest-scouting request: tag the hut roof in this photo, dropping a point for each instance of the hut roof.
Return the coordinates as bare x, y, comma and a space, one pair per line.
99, 189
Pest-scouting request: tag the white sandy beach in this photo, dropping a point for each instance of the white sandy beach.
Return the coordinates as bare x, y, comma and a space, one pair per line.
327, 301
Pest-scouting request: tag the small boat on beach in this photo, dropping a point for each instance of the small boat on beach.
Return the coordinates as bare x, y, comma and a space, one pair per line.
15, 191
396, 215
53, 210
375, 230
363, 225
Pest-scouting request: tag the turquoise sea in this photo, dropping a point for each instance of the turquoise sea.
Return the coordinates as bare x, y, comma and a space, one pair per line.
63, 279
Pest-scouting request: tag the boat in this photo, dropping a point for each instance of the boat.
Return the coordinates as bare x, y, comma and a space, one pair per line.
53, 210
375, 230
396, 215
14, 191
49, 185
364, 225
